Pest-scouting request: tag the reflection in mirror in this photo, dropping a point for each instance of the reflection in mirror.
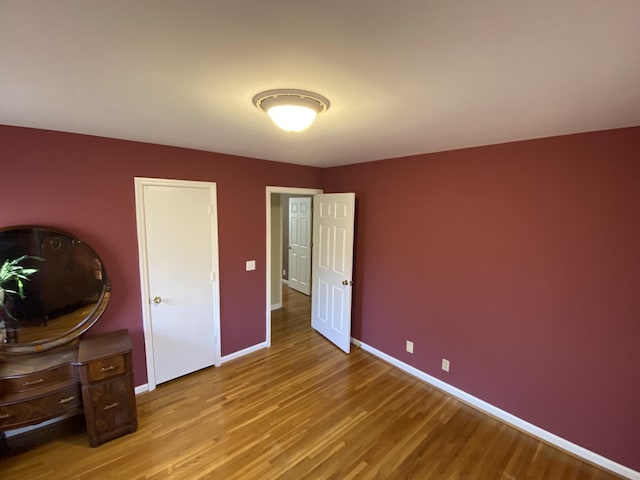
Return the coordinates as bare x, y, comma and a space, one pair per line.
53, 287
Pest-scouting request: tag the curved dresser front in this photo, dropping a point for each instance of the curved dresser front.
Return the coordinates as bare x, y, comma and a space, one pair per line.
39, 387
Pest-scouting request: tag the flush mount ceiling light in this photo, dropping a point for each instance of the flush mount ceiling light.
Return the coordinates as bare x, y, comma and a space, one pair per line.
291, 110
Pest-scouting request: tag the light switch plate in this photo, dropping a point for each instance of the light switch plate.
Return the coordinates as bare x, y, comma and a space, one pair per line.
251, 265
445, 364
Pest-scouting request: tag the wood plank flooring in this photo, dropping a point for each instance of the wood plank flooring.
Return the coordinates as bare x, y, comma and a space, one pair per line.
302, 410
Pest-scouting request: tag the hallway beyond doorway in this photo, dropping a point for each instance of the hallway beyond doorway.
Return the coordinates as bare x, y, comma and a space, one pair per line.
292, 318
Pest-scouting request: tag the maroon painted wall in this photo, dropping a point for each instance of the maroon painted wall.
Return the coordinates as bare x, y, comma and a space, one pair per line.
517, 262
520, 263
85, 185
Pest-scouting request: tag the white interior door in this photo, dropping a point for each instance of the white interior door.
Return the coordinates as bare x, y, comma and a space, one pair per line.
300, 244
333, 226
179, 247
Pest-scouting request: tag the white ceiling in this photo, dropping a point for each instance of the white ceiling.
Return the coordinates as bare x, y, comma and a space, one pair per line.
403, 76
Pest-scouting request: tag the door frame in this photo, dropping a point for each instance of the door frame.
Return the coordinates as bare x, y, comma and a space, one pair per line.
269, 191
145, 295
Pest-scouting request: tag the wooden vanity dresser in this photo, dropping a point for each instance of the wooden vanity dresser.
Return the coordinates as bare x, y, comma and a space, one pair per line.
54, 288
91, 377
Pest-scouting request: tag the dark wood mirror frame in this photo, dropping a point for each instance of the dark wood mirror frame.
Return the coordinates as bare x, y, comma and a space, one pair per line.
65, 289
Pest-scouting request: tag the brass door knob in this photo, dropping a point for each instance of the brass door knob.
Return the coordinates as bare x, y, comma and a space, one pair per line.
157, 300
347, 282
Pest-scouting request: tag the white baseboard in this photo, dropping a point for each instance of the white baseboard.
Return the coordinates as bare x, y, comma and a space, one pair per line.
286, 282
144, 388
242, 353
506, 417
276, 306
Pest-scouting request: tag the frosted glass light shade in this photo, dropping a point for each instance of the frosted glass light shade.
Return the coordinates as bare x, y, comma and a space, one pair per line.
292, 118
291, 110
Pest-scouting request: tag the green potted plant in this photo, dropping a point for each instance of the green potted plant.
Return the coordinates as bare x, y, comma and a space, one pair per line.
12, 278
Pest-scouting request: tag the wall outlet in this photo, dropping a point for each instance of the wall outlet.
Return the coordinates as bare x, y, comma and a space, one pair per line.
409, 346
445, 364
284, 273
251, 265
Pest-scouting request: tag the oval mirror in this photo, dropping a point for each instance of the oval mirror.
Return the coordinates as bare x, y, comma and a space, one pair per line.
53, 288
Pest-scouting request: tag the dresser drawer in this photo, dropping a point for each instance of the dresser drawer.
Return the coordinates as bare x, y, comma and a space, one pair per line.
41, 408
111, 403
47, 379
107, 368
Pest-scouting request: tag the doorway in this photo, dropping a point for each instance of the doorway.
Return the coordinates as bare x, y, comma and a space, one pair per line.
332, 264
274, 245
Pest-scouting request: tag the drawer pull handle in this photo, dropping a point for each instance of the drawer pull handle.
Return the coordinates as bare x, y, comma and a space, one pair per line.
5, 415
110, 406
34, 382
107, 369
66, 399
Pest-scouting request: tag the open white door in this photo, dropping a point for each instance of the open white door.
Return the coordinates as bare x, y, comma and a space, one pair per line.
333, 226
300, 244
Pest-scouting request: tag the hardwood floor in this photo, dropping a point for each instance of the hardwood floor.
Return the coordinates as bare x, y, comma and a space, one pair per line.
302, 410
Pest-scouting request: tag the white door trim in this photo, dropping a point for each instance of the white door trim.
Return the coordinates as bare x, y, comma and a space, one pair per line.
145, 297
269, 191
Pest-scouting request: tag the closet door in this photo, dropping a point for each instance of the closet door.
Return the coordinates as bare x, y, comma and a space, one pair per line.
177, 224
